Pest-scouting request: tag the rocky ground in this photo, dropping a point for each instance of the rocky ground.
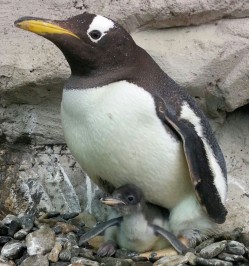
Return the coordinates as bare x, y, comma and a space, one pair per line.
52, 239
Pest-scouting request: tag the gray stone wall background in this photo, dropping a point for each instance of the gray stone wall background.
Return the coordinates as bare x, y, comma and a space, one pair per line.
203, 45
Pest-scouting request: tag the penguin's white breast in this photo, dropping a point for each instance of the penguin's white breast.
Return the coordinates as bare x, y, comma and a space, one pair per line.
114, 133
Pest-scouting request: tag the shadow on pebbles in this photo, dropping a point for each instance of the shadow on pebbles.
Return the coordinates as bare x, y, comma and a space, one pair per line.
51, 239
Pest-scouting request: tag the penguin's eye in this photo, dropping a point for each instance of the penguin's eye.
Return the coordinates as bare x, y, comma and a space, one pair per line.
130, 198
95, 34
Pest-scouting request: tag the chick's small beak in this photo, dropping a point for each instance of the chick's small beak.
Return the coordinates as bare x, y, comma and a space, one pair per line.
41, 26
111, 201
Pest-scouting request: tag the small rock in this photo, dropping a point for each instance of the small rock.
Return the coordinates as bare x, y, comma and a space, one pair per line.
59, 263
86, 262
231, 257
115, 262
68, 216
15, 225
3, 230
21, 234
213, 250
126, 254
41, 241
212, 262
204, 244
191, 258
72, 237
86, 253
13, 249
171, 261
65, 255
35, 260
66, 228
52, 214
8, 219
141, 263
5, 262
235, 247
84, 218
57, 229
5, 239
54, 254
27, 222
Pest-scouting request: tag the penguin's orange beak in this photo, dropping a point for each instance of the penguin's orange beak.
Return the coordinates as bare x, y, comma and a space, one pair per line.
42, 26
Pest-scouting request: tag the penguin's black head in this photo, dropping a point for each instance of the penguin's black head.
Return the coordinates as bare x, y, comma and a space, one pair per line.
126, 199
91, 43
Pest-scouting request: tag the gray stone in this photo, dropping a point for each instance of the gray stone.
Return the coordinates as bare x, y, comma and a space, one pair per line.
235, 247
14, 226
8, 218
213, 250
85, 262
4, 239
65, 255
171, 261
41, 241
115, 262
86, 253
212, 262
3, 230
204, 244
231, 257
35, 260
13, 249
21, 234
54, 254
27, 221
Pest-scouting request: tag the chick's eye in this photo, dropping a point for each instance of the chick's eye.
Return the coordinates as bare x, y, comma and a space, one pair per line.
95, 34
130, 198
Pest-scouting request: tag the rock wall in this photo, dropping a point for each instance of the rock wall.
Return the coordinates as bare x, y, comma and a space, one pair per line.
208, 55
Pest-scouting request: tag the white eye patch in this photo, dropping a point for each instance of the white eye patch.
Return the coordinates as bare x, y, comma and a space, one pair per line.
100, 24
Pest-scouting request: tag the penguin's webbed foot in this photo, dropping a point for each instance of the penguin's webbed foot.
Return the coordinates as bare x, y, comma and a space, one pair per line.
108, 248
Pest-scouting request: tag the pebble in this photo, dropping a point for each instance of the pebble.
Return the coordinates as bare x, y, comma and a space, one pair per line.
68, 216
5, 239
65, 255
86, 253
235, 247
86, 262
213, 250
231, 257
107, 261
66, 228
8, 219
141, 263
21, 234
204, 244
14, 226
13, 249
35, 260
171, 261
59, 263
212, 262
41, 241
27, 222
3, 230
54, 254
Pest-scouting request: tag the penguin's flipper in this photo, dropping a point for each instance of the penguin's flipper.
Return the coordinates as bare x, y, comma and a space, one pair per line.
204, 158
98, 229
173, 240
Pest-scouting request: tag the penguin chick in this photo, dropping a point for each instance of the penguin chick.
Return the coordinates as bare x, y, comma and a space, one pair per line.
140, 226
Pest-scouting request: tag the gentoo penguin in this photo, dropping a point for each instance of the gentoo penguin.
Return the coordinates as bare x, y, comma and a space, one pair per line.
139, 226
126, 121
